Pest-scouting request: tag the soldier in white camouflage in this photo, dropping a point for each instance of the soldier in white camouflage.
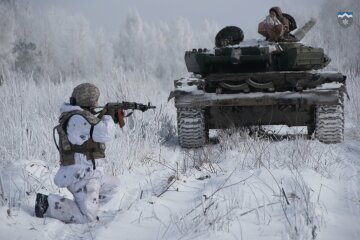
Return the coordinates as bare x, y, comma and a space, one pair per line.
82, 138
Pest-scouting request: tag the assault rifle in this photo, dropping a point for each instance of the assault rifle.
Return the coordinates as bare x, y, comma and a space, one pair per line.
114, 107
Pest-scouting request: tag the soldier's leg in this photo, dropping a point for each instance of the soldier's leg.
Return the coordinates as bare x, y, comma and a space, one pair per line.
109, 187
86, 196
84, 207
64, 209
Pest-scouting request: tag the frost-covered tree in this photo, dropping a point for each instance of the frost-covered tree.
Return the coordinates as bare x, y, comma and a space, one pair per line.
7, 30
158, 48
25, 56
65, 44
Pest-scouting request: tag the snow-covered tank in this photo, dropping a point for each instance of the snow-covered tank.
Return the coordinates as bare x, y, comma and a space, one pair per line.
257, 82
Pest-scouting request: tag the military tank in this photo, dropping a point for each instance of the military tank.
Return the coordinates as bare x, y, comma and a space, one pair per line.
257, 82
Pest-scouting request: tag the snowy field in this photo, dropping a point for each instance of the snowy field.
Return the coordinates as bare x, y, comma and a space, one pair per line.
240, 187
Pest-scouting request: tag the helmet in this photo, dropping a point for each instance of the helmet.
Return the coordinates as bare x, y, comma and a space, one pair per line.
85, 95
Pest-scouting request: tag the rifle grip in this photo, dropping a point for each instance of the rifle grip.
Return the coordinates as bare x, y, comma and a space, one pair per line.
121, 115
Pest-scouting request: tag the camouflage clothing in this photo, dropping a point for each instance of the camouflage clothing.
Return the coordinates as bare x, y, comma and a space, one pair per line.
91, 149
276, 26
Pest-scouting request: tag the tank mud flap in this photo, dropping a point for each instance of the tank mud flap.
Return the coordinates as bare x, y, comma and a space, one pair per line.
233, 87
245, 86
268, 85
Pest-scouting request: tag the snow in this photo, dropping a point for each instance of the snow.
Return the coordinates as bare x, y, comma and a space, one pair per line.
332, 85
221, 191
258, 43
184, 85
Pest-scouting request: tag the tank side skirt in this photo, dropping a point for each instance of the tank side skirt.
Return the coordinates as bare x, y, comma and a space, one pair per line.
226, 117
281, 81
309, 97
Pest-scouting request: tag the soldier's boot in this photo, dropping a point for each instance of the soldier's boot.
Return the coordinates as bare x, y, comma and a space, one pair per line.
41, 205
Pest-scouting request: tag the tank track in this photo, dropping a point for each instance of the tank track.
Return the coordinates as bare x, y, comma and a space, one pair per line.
329, 123
191, 127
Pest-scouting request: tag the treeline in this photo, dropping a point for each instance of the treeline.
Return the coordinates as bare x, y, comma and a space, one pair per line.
58, 45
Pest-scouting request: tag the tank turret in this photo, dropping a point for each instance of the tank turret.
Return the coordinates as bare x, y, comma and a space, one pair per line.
258, 56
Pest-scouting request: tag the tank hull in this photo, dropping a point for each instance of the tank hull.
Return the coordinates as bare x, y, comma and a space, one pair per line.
246, 109
308, 107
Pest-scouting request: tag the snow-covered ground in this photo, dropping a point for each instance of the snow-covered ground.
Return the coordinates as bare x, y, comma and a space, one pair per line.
240, 188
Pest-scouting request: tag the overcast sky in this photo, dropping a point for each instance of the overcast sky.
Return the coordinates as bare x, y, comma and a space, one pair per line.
110, 14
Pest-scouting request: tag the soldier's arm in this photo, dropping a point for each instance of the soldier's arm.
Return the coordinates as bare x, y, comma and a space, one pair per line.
104, 131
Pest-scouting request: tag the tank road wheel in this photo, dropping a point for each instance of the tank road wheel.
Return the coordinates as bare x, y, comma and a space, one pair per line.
191, 127
329, 123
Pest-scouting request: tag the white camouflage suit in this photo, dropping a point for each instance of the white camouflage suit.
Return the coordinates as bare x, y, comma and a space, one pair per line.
90, 188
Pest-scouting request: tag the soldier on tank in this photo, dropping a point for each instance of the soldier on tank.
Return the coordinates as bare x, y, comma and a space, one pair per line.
82, 138
277, 26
